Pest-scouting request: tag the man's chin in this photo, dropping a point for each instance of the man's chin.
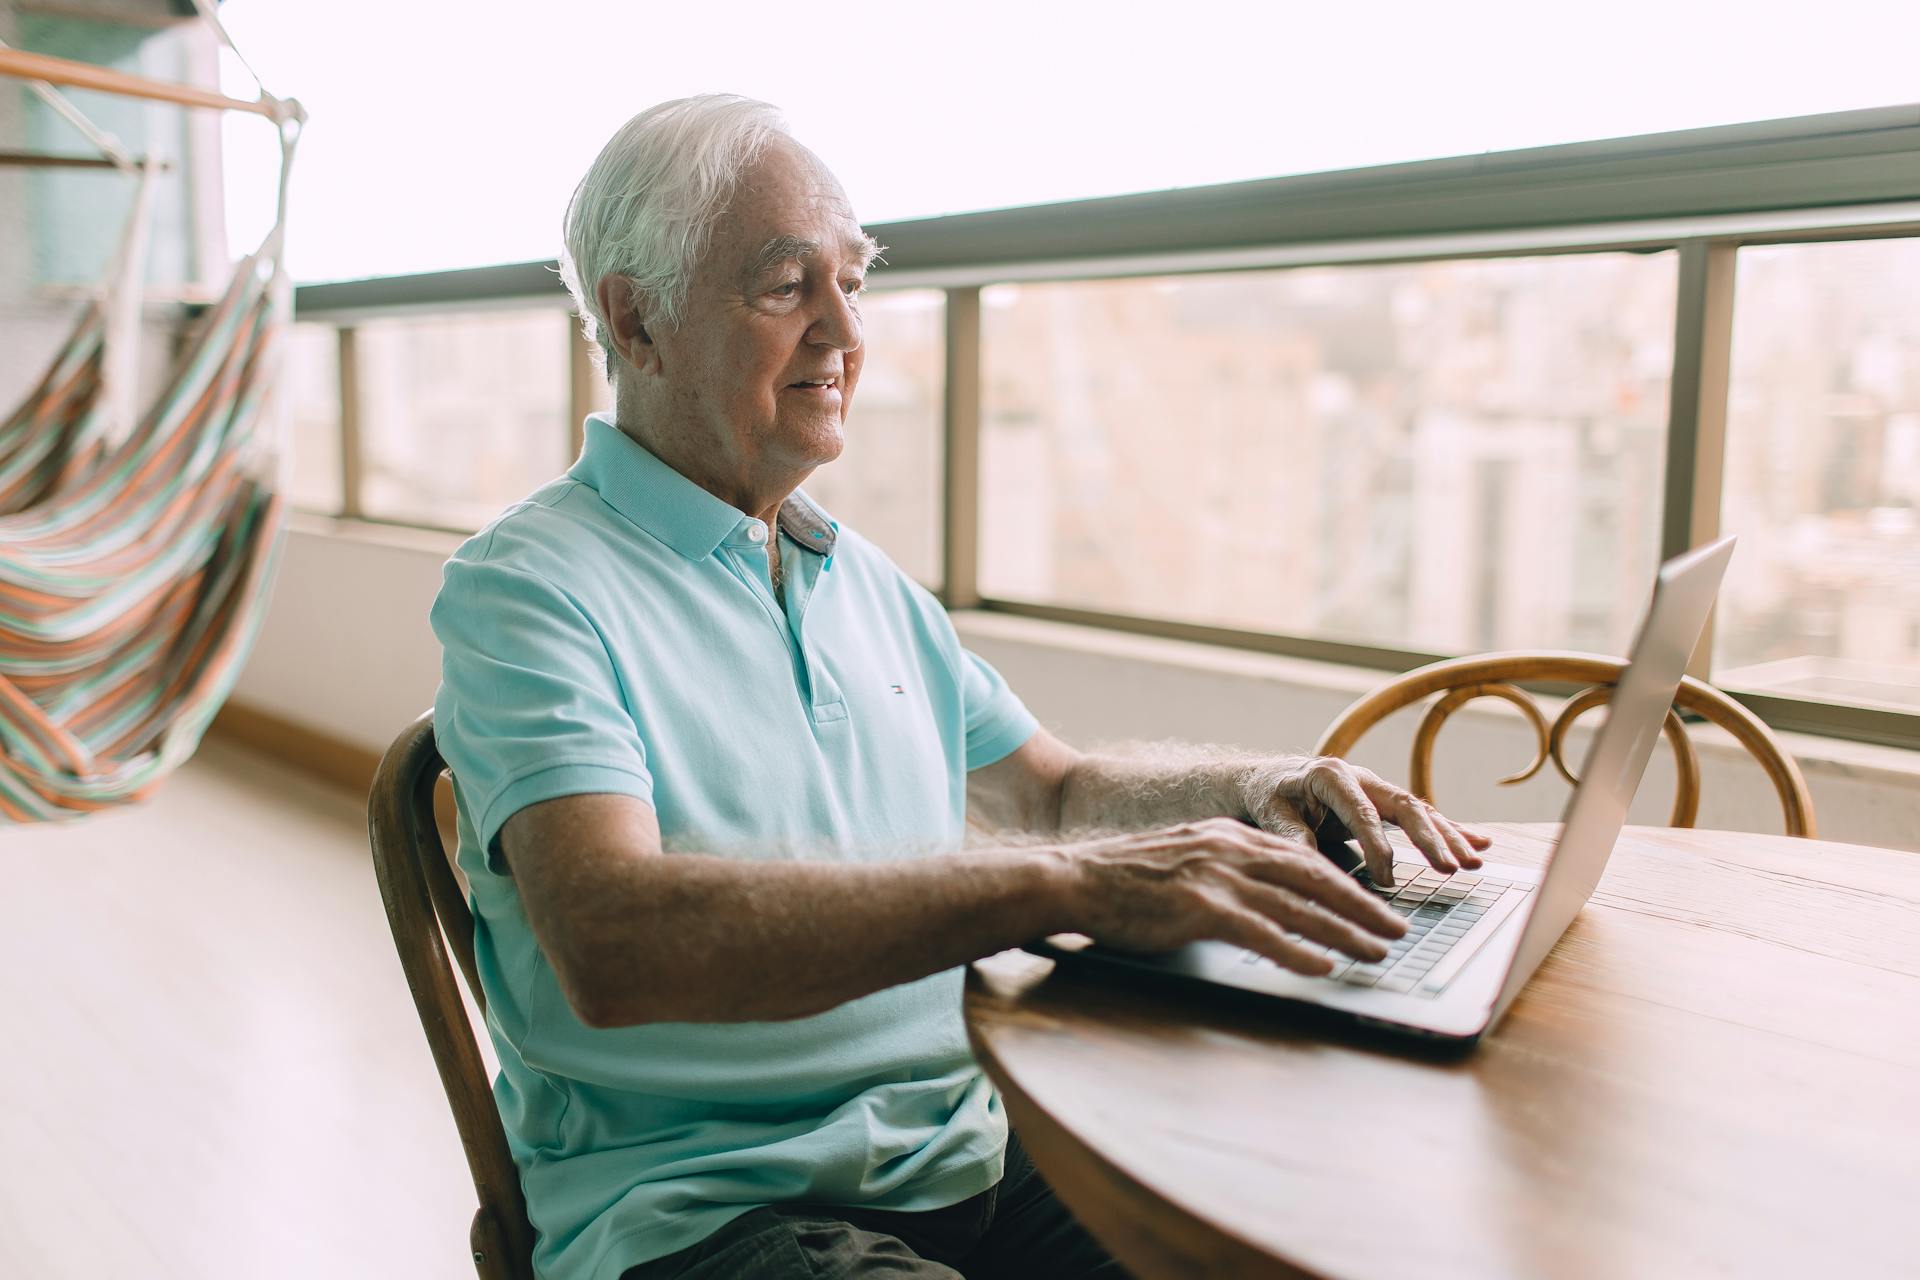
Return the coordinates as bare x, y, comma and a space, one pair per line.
814, 444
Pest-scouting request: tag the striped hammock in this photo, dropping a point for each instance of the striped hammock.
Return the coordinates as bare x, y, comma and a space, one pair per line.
54, 435
133, 574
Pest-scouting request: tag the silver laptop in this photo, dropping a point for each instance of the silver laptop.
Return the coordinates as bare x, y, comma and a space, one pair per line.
1475, 938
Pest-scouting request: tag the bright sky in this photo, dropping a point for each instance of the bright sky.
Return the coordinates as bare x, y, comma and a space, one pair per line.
450, 135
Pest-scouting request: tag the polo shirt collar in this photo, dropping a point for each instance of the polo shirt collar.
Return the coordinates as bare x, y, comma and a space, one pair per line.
658, 499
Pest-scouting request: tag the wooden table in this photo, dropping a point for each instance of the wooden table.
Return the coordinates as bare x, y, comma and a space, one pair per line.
1716, 1073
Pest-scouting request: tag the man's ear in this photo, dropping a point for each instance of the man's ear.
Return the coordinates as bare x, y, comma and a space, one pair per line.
624, 305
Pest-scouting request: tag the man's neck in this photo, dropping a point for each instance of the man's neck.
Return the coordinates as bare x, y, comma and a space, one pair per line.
738, 497
758, 496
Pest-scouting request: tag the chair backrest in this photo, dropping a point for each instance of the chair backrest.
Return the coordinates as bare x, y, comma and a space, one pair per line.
427, 913
1461, 680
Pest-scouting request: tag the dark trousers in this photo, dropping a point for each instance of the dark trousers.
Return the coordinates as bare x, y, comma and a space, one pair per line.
1015, 1230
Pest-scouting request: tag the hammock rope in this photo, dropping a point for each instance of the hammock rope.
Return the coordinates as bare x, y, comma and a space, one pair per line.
135, 556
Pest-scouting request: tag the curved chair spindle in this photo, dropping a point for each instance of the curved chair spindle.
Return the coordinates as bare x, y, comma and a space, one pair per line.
1462, 680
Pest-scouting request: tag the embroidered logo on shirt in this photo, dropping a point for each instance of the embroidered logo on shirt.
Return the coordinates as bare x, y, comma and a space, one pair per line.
897, 689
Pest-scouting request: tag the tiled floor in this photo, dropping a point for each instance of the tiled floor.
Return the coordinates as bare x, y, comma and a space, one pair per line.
209, 1063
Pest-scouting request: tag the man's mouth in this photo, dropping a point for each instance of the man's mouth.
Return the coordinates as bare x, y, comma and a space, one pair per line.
815, 384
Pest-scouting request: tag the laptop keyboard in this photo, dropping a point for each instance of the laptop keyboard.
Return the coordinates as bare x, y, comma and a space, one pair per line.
1439, 911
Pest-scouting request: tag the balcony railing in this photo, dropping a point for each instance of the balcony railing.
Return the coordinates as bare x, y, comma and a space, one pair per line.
1279, 369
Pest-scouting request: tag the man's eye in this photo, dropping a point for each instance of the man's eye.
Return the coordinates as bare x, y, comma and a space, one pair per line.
785, 289
854, 288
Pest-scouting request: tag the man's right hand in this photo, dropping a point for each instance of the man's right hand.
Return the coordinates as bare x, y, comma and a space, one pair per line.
1221, 879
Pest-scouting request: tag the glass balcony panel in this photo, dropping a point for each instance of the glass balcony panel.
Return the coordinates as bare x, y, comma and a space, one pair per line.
1450, 456
309, 399
461, 414
1823, 475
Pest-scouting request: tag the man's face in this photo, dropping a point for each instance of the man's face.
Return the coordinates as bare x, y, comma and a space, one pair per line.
765, 360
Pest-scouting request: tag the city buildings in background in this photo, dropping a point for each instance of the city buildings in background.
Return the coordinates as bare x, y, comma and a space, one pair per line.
1446, 456
1823, 474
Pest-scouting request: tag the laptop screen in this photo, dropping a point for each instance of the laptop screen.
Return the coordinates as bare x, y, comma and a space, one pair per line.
1682, 597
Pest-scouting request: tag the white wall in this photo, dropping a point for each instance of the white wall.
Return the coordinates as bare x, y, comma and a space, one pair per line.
346, 650
345, 647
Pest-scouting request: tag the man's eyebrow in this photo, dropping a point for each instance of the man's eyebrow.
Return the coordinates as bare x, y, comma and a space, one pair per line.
782, 249
862, 247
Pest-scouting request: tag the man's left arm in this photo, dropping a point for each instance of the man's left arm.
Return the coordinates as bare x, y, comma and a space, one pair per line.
1047, 787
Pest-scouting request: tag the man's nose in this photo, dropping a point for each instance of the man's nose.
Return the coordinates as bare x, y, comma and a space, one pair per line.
838, 324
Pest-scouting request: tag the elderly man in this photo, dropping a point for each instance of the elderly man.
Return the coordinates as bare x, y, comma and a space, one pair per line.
715, 755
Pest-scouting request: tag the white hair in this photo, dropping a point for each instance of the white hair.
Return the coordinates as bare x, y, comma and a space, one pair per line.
647, 206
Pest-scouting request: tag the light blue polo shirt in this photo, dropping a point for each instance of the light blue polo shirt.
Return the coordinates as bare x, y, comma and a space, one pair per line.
616, 632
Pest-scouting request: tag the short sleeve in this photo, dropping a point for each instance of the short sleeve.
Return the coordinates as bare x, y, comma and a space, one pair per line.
998, 723
529, 707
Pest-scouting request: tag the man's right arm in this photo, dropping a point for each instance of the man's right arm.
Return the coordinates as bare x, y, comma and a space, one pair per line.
636, 936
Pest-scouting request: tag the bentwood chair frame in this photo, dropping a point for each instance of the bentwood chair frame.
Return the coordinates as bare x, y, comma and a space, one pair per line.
428, 914
1496, 675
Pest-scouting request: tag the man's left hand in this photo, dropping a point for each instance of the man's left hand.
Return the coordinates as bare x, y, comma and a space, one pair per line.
1291, 795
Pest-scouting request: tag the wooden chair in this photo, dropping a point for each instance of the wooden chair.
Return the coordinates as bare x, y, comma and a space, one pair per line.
427, 911
1461, 680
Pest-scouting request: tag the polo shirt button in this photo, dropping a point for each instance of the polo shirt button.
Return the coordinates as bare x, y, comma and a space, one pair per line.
757, 533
